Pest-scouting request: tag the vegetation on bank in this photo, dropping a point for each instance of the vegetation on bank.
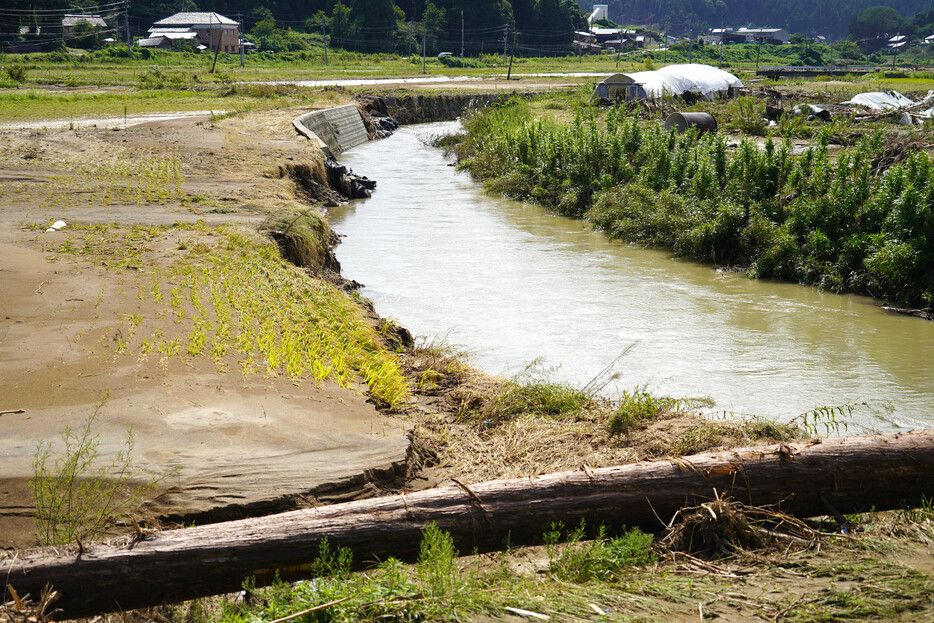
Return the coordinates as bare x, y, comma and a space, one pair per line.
718, 560
861, 220
117, 66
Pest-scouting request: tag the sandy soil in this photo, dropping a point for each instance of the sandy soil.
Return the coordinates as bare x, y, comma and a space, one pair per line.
239, 443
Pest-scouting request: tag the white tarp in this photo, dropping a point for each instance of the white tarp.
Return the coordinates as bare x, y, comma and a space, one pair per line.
703, 80
881, 100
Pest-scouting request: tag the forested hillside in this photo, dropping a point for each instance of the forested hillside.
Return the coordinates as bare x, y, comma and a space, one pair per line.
827, 17
544, 27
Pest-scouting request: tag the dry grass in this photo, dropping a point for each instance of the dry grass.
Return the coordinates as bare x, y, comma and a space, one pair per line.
459, 423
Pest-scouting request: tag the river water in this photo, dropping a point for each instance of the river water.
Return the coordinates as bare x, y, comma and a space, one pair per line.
514, 284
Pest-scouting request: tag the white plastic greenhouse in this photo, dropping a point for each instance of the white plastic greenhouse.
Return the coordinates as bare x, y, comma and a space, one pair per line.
703, 80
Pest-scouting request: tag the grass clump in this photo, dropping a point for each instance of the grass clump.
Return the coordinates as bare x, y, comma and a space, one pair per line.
303, 239
602, 559
530, 392
16, 73
635, 408
435, 365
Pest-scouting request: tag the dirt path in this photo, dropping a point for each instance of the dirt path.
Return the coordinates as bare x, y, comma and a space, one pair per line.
237, 441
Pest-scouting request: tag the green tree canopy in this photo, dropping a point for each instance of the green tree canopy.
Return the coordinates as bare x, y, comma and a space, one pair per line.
877, 21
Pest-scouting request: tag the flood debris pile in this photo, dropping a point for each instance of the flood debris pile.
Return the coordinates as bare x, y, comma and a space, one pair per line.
870, 106
725, 528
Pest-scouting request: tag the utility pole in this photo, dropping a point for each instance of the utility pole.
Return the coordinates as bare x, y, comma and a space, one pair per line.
424, 46
505, 40
462, 34
690, 46
324, 38
240, 37
721, 42
665, 37
126, 21
619, 50
758, 49
515, 35
217, 48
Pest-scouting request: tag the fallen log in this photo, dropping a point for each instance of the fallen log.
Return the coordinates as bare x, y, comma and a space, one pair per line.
848, 475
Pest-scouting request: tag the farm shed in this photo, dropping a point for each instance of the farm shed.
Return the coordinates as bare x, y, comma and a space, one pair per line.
702, 80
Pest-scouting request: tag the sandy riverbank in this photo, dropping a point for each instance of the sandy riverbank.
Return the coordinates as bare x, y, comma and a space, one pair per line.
238, 441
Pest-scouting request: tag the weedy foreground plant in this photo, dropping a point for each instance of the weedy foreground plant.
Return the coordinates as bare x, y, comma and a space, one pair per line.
76, 496
630, 576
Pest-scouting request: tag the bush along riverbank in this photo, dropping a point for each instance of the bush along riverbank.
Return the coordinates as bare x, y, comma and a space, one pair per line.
860, 221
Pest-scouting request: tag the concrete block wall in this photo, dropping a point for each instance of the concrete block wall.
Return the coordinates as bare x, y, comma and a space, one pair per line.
339, 129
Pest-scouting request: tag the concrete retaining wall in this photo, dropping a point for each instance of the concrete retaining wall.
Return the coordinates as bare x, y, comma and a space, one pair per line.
335, 129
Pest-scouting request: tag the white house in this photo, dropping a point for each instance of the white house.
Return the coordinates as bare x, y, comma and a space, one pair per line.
764, 35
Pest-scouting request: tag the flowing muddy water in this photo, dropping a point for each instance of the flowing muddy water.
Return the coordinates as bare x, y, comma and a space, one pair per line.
514, 283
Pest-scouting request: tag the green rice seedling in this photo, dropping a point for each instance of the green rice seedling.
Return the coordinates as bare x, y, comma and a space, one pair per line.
243, 296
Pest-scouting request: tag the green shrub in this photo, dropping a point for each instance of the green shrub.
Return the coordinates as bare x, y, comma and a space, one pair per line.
16, 73
843, 222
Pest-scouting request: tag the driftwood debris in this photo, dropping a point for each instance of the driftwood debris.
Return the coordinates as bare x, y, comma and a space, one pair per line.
851, 474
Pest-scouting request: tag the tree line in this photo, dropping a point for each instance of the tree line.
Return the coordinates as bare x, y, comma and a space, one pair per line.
543, 26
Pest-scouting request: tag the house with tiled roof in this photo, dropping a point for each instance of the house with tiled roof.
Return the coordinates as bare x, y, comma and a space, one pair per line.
91, 22
211, 30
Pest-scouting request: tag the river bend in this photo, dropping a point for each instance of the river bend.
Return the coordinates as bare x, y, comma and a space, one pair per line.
513, 284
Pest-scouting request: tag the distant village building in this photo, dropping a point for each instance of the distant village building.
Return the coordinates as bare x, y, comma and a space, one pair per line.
586, 43
600, 11
69, 22
211, 30
897, 42
726, 35
599, 38
775, 36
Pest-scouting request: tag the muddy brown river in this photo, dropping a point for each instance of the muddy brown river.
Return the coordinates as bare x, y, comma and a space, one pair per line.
515, 284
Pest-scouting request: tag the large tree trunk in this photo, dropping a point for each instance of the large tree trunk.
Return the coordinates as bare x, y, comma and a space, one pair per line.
851, 474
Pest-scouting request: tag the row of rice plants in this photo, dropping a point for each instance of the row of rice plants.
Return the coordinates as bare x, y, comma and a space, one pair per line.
98, 181
229, 293
844, 222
